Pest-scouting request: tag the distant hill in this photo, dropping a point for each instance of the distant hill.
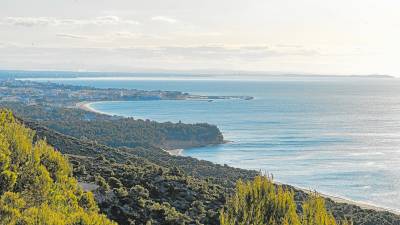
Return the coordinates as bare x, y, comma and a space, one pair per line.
119, 131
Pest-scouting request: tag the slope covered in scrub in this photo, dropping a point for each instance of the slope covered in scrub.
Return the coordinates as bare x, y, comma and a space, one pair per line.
36, 183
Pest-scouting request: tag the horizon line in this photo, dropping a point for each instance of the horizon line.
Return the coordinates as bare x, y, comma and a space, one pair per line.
199, 72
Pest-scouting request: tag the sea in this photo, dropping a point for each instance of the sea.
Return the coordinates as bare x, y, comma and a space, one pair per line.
336, 135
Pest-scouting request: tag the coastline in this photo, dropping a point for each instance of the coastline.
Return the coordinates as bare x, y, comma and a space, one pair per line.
362, 205
174, 152
86, 106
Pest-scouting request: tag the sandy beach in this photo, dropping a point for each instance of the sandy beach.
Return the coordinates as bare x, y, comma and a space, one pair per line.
362, 205
174, 152
86, 106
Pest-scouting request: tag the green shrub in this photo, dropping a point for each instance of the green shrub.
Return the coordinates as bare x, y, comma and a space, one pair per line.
36, 183
261, 202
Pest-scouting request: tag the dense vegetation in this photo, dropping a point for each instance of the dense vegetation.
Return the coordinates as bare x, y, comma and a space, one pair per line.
261, 202
139, 192
202, 171
224, 175
133, 180
119, 131
36, 183
118, 171
145, 185
132, 133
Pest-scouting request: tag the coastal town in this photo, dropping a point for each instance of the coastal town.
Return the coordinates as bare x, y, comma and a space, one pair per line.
47, 93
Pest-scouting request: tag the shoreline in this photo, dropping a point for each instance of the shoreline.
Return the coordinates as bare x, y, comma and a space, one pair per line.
85, 105
174, 152
361, 204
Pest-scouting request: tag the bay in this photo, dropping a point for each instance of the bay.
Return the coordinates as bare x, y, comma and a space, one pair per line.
339, 136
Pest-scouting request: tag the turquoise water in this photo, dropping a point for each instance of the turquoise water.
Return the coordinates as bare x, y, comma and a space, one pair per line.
339, 136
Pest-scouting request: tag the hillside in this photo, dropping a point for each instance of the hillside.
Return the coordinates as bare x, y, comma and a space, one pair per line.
36, 183
217, 178
118, 131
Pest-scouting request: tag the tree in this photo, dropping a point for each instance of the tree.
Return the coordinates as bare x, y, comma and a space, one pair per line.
258, 202
7, 180
36, 183
315, 213
261, 202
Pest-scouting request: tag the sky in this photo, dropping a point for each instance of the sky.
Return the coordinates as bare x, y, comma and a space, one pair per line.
338, 37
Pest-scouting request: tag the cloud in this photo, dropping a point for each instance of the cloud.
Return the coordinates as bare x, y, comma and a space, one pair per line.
167, 57
72, 36
113, 20
109, 37
52, 21
199, 34
289, 46
28, 21
164, 19
210, 52
126, 34
245, 53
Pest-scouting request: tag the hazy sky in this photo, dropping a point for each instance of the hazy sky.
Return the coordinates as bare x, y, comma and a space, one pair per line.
310, 36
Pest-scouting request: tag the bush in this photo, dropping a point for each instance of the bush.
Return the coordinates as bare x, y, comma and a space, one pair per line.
44, 192
261, 202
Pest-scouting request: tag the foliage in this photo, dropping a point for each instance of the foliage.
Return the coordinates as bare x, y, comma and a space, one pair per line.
36, 183
314, 212
119, 131
224, 176
117, 161
261, 202
220, 174
141, 192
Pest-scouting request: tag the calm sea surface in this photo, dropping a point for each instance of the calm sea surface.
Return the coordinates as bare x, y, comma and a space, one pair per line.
340, 136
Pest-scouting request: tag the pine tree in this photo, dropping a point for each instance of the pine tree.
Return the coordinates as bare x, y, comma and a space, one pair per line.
315, 213
36, 183
260, 202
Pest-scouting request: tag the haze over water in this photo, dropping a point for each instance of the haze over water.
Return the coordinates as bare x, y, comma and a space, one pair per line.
340, 136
